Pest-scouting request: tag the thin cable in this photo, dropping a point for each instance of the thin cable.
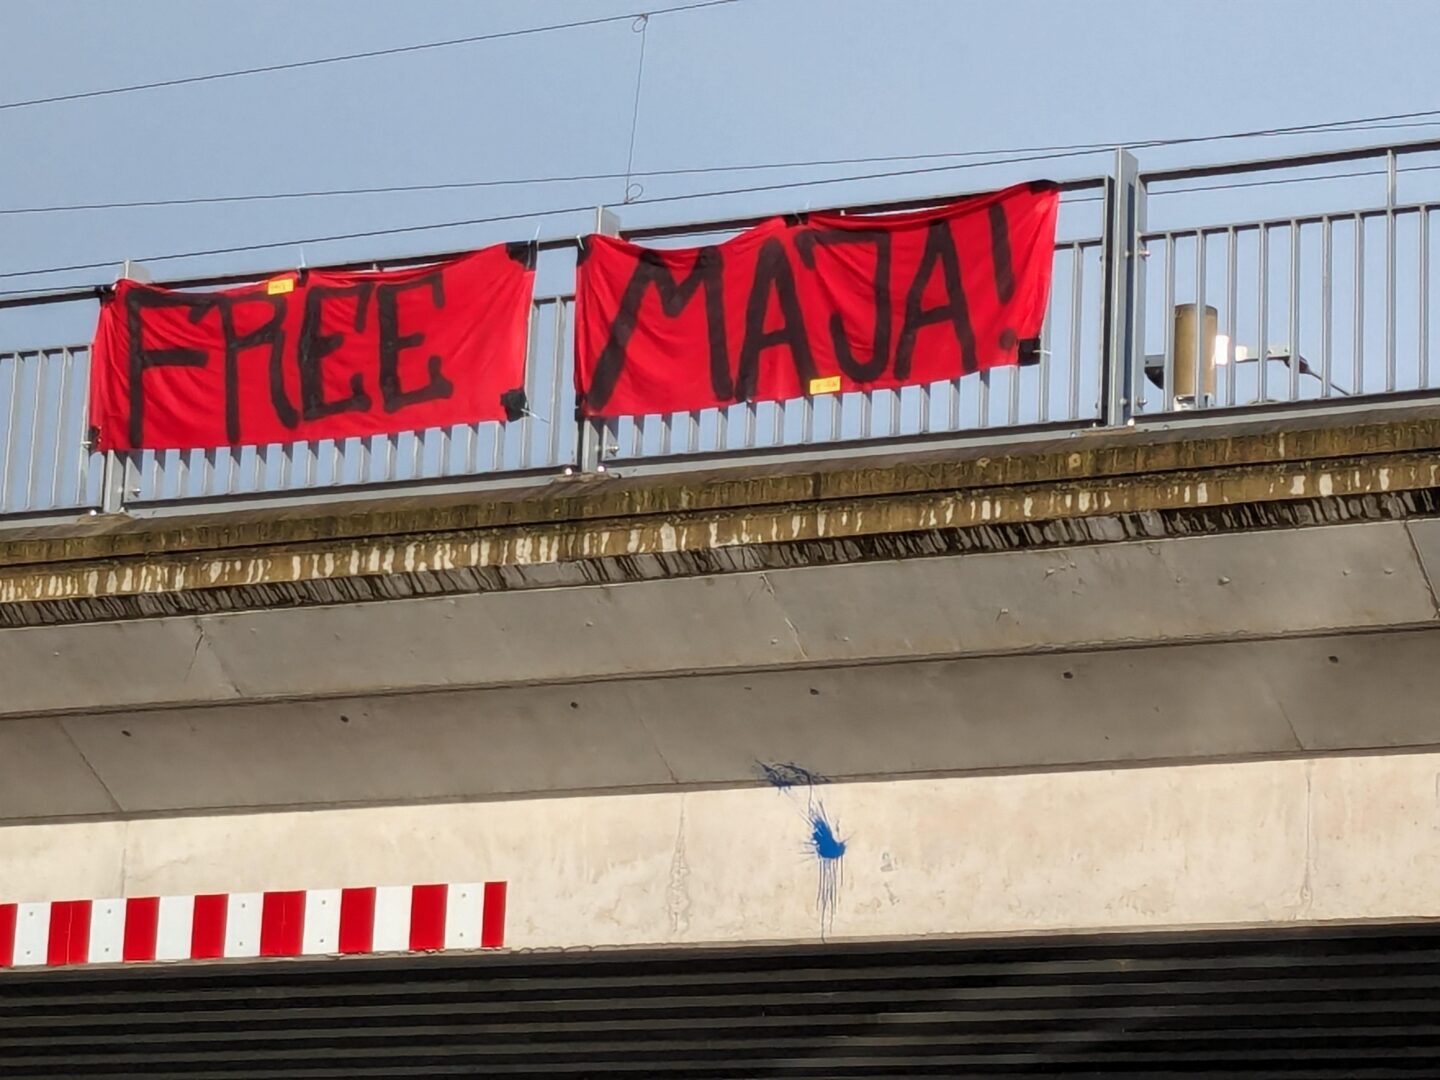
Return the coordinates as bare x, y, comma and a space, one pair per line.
680, 198
310, 240
1077, 148
640, 25
514, 217
347, 57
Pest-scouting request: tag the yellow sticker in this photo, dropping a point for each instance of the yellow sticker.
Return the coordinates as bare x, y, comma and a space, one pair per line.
825, 386
279, 285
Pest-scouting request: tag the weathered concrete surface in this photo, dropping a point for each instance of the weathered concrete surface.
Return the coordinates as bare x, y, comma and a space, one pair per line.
1233, 844
616, 529
1247, 585
1031, 712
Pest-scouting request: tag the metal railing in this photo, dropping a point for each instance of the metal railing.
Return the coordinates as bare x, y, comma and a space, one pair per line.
1316, 302
1313, 305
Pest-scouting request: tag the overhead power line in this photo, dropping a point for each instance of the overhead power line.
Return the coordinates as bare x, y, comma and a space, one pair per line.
370, 54
527, 181
1074, 150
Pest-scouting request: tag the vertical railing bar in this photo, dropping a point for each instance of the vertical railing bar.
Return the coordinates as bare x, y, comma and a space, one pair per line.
364, 451
985, 398
1390, 271
864, 414
750, 423
637, 435
1423, 272
472, 449
923, 399
1043, 376
443, 451
1077, 300
37, 398
1014, 412
807, 420
1327, 307
1358, 321
954, 396
82, 459
778, 428
1294, 311
127, 465
1168, 364
60, 433
498, 460
895, 413
1232, 304
692, 440
837, 415
667, 420
1263, 279
527, 428
312, 463
557, 392
1204, 365
182, 474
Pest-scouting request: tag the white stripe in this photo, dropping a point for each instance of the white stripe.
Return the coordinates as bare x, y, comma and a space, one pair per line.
392, 919
322, 922
242, 924
174, 927
32, 933
107, 931
463, 911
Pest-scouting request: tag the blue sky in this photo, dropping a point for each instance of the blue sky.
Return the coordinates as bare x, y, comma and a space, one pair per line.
750, 82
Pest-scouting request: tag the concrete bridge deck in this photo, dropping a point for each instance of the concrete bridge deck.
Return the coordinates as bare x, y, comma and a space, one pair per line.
1131, 598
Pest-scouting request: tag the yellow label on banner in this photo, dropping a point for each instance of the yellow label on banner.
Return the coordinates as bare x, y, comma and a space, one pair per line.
825, 386
279, 285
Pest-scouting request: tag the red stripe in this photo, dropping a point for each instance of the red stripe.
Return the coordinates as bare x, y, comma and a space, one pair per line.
282, 924
142, 921
69, 932
7, 934
357, 920
492, 922
427, 917
207, 935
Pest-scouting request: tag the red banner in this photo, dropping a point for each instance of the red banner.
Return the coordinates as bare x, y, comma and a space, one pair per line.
828, 304
313, 355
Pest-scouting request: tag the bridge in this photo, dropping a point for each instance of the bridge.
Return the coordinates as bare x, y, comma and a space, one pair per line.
1072, 717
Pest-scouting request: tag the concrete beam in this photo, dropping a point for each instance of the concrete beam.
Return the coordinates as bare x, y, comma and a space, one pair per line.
1039, 711
1169, 847
1245, 585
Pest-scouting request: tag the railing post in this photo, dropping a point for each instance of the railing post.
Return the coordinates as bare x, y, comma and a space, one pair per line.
590, 443
1123, 299
113, 472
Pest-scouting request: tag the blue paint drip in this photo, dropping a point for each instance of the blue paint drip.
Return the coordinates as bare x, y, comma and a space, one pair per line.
823, 843
830, 851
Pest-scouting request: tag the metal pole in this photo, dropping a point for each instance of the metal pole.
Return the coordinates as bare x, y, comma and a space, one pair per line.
590, 445
1124, 219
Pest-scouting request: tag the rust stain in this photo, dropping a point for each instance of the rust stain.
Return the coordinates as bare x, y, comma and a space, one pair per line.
1107, 454
836, 517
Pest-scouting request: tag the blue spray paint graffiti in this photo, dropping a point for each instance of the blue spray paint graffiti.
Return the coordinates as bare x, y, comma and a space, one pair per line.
784, 775
830, 851
824, 842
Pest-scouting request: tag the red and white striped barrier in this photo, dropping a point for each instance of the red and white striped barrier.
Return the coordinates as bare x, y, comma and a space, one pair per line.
313, 922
